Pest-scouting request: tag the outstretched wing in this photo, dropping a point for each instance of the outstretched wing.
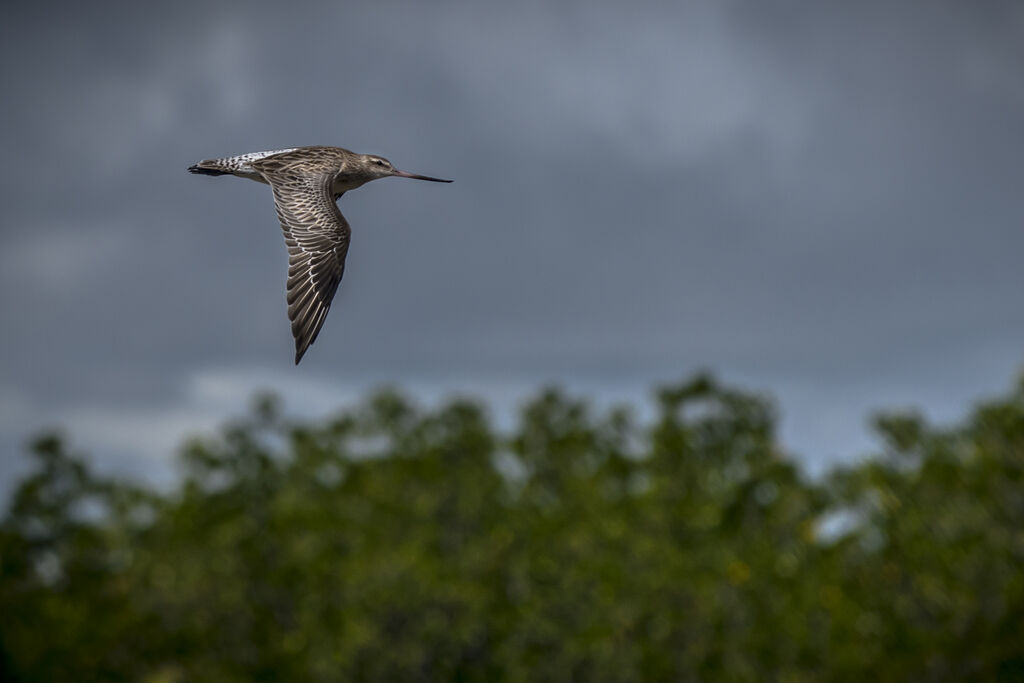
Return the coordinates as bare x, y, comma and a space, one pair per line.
317, 236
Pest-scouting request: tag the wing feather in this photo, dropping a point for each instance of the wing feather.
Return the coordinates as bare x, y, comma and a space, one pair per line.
317, 237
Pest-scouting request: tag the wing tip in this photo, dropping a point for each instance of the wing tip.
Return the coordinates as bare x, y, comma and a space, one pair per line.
302, 344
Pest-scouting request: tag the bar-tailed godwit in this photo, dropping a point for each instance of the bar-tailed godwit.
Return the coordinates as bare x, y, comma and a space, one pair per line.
307, 182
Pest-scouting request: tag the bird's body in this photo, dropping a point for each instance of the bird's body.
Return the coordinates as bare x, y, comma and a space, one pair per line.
307, 181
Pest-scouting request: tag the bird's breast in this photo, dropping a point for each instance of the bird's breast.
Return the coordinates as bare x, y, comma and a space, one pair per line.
344, 183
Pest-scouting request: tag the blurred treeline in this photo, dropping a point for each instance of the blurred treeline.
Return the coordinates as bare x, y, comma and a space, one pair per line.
393, 543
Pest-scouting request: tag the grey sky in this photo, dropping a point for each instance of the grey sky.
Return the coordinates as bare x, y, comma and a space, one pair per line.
818, 200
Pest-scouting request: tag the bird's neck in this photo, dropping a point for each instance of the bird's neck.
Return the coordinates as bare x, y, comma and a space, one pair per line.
343, 183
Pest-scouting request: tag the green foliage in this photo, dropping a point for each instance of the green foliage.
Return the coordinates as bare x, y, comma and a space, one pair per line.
393, 543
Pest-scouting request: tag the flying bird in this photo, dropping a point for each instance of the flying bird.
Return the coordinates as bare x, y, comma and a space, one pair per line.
307, 182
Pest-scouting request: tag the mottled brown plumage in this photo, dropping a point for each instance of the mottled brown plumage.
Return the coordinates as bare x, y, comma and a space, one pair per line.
307, 181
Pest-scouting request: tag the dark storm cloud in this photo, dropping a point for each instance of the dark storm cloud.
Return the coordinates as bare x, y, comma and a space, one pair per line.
821, 200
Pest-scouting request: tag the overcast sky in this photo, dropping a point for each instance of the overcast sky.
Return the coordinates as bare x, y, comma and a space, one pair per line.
820, 201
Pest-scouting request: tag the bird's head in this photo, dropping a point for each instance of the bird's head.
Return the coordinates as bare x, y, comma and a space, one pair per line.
378, 167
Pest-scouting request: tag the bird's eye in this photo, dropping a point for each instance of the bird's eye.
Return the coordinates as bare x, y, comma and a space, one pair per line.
380, 162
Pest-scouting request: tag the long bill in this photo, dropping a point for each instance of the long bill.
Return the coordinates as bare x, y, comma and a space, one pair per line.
403, 174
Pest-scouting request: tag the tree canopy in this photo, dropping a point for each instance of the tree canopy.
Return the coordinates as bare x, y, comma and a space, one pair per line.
394, 542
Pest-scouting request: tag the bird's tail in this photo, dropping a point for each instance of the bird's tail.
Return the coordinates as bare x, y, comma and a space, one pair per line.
240, 165
207, 168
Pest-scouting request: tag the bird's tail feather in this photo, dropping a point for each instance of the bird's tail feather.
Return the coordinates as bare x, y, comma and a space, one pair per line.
206, 170
240, 165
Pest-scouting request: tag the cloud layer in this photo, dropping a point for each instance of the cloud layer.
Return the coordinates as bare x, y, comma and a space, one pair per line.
823, 202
